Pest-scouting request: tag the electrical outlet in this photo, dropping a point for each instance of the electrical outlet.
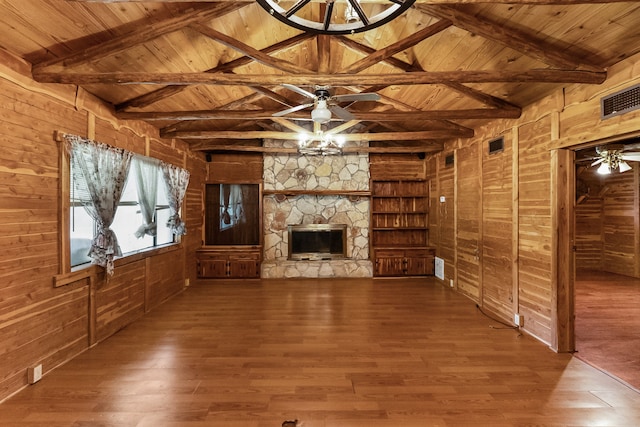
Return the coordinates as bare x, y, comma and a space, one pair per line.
34, 374
451, 282
186, 282
518, 319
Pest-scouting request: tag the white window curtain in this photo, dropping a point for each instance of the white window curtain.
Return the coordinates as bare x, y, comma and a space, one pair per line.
146, 170
235, 200
100, 173
176, 181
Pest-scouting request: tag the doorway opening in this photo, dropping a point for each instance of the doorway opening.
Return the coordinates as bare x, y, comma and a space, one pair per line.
606, 295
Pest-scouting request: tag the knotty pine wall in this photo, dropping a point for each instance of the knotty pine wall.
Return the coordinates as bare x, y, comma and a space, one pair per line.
48, 316
502, 229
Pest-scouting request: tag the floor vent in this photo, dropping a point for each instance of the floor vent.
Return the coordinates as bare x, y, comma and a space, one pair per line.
621, 102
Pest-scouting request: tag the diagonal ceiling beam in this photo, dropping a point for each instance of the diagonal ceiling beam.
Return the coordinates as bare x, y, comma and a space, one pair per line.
249, 51
397, 47
467, 91
400, 79
146, 33
165, 92
520, 41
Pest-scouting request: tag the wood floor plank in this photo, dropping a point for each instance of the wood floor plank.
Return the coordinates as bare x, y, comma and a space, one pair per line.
330, 353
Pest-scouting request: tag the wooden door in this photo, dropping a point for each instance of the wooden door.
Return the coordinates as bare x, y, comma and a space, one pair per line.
468, 192
497, 229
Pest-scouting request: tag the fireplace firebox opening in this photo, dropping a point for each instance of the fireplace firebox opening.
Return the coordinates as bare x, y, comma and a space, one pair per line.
317, 241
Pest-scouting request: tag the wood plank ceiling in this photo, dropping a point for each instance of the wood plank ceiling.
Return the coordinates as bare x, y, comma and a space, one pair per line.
210, 72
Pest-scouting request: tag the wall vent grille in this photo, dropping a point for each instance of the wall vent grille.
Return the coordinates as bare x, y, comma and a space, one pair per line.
621, 102
496, 145
448, 160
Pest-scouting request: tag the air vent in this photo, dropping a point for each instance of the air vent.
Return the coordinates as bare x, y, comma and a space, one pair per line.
496, 145
448, 161
621, 102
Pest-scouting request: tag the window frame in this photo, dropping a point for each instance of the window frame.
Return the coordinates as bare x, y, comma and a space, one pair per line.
64, 219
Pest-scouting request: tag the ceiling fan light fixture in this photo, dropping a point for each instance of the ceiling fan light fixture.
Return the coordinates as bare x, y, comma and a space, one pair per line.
604, 169
321, 114
623, 166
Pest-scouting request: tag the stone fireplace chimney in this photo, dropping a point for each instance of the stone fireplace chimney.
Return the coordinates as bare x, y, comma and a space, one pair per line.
315, 189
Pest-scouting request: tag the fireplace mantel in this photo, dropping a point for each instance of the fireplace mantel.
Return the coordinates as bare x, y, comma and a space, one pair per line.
347, 193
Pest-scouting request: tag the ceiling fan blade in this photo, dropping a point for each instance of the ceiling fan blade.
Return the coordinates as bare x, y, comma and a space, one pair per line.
356, 97
341, 112
633, 157
291, 110
597, 162
299, 90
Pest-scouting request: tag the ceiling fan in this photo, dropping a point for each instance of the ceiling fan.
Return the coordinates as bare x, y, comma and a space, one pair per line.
615, 156
325, 103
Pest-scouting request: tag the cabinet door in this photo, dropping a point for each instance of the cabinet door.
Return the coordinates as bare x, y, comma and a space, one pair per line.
212, 267
419, 262
389, 263
243, 267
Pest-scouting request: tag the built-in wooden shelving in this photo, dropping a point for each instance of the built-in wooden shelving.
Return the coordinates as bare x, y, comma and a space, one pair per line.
399, 228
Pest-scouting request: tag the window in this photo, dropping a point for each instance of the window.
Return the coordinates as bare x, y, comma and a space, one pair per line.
127, 221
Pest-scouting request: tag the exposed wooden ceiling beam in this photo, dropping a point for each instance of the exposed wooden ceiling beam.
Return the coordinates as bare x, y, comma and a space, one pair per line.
425, 147
382, 136
465, 90
404, 79
387, 52
386, 116
165, 92
518, 40
146, 33
535, 2
249, 51
323, 43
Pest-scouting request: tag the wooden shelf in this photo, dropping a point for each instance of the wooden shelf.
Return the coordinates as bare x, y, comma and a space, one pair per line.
399, 228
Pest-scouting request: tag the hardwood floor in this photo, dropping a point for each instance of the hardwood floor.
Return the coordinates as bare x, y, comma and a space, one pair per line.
607, 308
330, 353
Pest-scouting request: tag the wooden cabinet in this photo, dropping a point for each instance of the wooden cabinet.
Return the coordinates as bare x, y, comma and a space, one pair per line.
399, 228
228, 263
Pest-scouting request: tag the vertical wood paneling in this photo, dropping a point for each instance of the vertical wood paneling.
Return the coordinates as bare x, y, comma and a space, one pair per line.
589, 247
446, 211
497, 289
165, 278
120, 299
468, 193
535, 242
619, 223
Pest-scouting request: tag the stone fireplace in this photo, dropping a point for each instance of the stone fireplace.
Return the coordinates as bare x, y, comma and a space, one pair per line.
316, 189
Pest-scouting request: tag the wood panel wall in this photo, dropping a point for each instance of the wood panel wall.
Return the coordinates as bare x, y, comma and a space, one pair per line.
468, 205
521, 264
497, 228
589, 222
45, 324
606, 223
